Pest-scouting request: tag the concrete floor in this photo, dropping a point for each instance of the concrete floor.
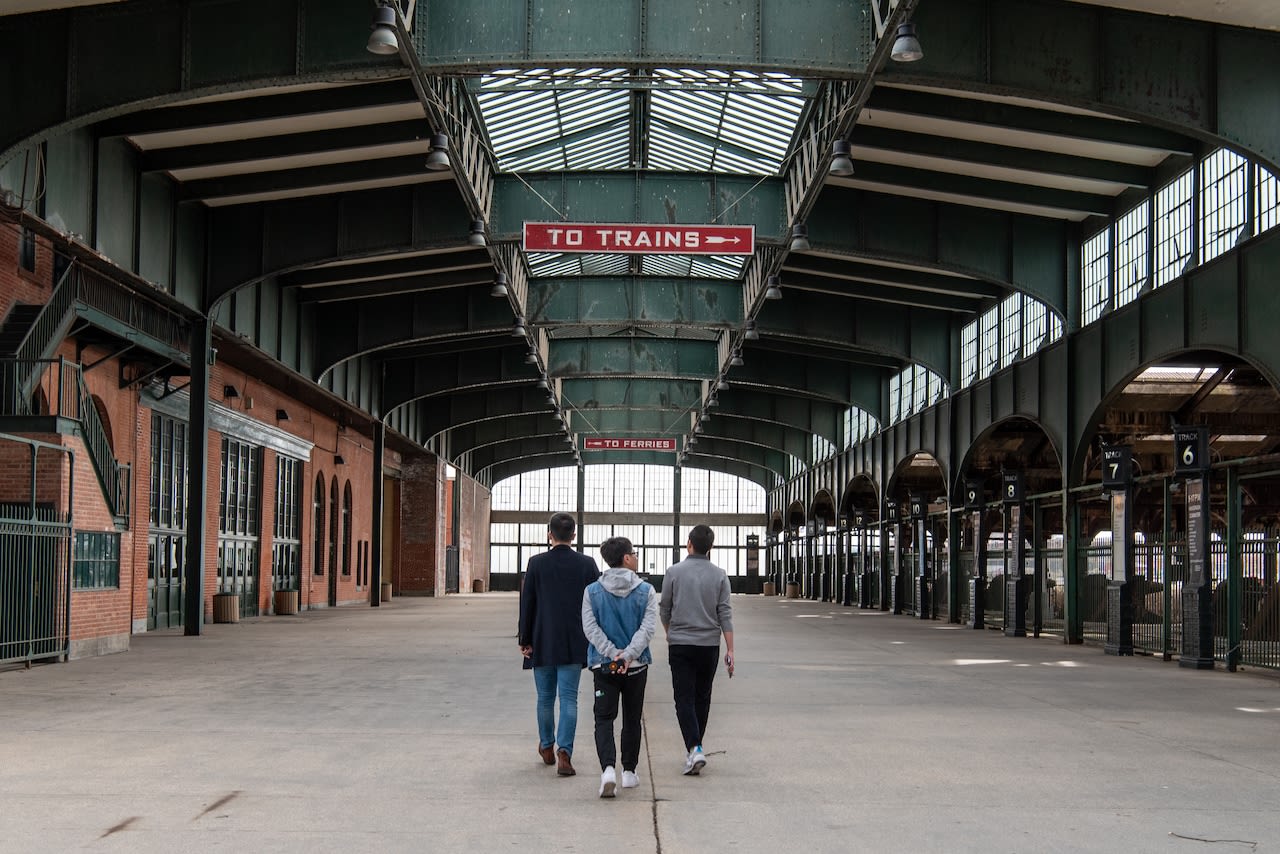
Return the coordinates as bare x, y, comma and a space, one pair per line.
411, 728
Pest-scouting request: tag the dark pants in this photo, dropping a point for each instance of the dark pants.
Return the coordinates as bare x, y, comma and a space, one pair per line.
608, 689
693, 668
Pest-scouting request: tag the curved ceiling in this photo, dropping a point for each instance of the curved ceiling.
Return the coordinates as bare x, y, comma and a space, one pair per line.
973, 172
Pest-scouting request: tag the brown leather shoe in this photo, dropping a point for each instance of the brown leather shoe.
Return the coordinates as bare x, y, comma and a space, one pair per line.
563, 766
548, 755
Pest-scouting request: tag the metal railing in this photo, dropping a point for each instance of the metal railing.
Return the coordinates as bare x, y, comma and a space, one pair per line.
28, 386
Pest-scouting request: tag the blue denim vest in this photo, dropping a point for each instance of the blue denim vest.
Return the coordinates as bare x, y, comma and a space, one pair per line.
619, 618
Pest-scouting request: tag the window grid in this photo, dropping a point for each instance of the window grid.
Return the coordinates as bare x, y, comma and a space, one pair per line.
1174, 228
286, 547
989, 338
968, 354
238, 510
1010, 329
346, 529
1096, 276
1268, 200
168, 473
895, 392
1132, 261
97, 561
1224, 177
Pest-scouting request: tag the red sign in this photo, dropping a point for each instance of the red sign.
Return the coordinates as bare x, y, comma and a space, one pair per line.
632, 239
597, 443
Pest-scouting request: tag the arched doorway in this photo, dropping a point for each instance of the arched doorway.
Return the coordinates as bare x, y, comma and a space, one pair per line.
859, 514
915, 532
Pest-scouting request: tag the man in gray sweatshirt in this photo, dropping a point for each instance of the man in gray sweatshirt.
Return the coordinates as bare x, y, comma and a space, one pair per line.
695, 611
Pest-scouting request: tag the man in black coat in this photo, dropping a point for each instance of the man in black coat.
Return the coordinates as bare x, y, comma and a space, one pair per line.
551, 637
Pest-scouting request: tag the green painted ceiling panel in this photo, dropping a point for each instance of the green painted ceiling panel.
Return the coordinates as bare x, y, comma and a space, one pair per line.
952, 31
334, 36
33, 76
974, 239
1246, 90
224, 49
474, 31
1045, 46
702, 31
633, 356
835, 35
1161, 66
150, 36
564, 30
590, 394
1258, 291
1214, 306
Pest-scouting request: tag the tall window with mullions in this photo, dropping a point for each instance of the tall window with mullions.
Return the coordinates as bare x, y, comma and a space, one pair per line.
238, 523
286, 547
167, 521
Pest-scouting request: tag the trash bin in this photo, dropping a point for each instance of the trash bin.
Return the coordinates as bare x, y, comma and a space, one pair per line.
793, 590
770, 589
226, 607
477, 585
285, 601
384, 594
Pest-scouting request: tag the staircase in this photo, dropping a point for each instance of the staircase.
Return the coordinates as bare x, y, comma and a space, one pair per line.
28, 337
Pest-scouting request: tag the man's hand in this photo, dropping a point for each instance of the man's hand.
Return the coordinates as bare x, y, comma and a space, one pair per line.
728, 663
623, 664
526, 650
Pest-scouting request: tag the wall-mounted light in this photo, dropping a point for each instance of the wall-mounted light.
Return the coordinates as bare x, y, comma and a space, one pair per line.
383, 40
229, 392
906, 47
338, 460
774, 289
282, 415
438, 159
476, 238
841, 163
499, 285
799, 238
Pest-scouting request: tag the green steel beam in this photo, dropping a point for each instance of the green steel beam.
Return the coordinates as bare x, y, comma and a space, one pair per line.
625, 393
879, 293
209, 154
614, 423
481, 458
806, 375
747, 437
657, 197
1000, 156
385, 170
1189, 77
406, 380
447, 257
249, 242
342, 330
911, 334
628, 356
829, 37
468, 408
855, 269
485, 434
712, 447
1019, 252
635, 300
64, 69
399, 285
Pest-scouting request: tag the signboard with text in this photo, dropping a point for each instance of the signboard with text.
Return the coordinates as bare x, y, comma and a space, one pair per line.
599, 443
636, 239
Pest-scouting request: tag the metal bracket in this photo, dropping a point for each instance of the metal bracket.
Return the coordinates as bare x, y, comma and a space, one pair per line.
882, 17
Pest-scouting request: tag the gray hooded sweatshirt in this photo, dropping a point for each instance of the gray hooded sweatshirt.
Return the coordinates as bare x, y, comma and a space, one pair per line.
620, 581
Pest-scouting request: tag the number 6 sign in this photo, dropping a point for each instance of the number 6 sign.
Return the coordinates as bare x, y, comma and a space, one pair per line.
1190, 450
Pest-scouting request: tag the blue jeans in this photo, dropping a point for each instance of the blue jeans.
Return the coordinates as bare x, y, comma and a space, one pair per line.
559, 679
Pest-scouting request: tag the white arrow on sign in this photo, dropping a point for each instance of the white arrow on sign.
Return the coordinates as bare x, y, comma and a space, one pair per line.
715, 239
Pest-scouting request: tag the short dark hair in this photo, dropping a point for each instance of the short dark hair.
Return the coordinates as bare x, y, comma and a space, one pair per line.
614, 549
701, 537
561, 527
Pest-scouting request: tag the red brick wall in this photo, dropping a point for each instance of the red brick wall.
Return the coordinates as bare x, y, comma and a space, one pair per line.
422, 546
18, 285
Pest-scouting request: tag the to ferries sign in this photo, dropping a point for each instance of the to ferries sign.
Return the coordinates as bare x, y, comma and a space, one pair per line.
632, 239
599, 443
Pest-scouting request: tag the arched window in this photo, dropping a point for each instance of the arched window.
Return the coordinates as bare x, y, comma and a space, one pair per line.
317, 550
333, 526
346, 529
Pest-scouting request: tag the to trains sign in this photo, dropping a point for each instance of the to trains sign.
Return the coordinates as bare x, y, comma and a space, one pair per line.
633, 239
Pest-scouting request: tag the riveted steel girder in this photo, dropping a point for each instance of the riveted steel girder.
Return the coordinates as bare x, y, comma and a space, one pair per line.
632, 356
481, 458
468, 408
588, 395
405, 380
918, 335
481, 274
249, 242
656, 197
541, 427
803, 417
709, 446
636, 301
629, 422
459, 258
64, 68
831, 37
809, 376
1015, 252
1188, 76
344, 330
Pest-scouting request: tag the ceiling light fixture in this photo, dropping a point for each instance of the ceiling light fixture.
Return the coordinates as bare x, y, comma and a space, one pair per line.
499, 286
774, 289
517, 328
841, 163
749, 331
735, 361
906, 47
476, 238
383, 40
438, 159
799, 238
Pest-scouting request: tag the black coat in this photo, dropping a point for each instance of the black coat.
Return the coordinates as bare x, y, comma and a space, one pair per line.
551, 606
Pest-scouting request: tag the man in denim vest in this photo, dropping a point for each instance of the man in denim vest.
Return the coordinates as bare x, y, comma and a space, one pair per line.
619, 617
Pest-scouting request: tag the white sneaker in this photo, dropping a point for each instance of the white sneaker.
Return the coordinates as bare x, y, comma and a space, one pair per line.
694, 761
630, 780
608, 782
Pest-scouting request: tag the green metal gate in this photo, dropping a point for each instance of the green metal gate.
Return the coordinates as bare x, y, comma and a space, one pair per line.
35, 552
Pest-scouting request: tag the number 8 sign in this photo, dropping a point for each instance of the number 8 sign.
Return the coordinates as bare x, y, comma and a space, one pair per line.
1011, 487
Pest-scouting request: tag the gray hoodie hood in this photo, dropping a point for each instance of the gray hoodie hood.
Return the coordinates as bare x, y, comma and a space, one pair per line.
619, 580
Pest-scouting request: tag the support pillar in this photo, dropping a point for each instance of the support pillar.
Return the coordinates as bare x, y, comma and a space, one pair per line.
1191, 458
1015, 576
202, 354
1119, 604
978, 583
375, 532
